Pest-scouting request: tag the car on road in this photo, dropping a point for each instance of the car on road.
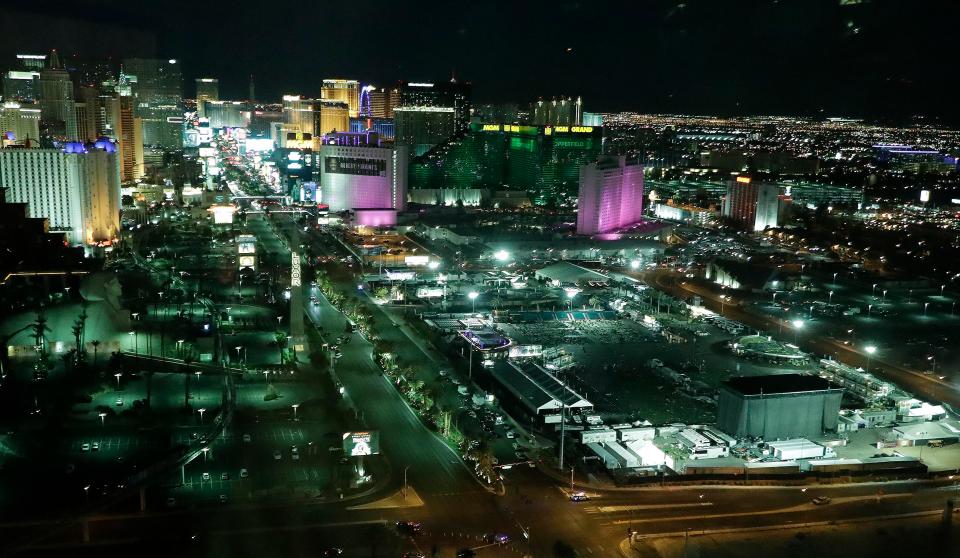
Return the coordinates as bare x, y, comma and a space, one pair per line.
496, 538
85, 447
171, 502
246, 438
295, 453
409, 527
119, 402
223, 498
205, 476
224, 476
332, 551
244, 474
95, 446
821, 500
277, 456
579, 497
511, 434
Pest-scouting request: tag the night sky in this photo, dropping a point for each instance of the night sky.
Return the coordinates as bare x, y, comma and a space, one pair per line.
880, 59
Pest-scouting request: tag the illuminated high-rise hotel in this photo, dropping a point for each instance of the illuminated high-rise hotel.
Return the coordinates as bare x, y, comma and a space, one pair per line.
343, 90
752, 203
611, 196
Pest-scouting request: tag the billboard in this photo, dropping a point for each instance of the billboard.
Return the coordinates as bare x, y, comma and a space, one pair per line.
259, 144
356, 444
355, 166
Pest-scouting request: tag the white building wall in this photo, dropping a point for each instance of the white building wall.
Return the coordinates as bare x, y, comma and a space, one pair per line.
79, 193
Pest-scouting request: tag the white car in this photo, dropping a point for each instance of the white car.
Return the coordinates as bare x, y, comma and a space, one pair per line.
85, 447
205, 476
244, 474
511, 434
246, 438
277, 456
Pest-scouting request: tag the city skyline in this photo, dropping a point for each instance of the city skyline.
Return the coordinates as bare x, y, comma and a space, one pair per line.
744, 58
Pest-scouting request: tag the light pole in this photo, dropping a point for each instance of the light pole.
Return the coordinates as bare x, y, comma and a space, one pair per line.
873, 293
884, 299
117, 376
870, 349
133, 337
811, 312
295, 407
179, 347
238, 347
869, 310
797, 326
835, 277
201, 410
830, 300
925, 305
941, 289
103, 419
205, 450
472, 295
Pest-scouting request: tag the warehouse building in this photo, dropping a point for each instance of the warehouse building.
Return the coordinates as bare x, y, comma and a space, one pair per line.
778, 407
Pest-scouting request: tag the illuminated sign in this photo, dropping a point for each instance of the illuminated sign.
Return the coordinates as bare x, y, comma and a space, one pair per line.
491, 127
416, 260
259, 144
247, 261
924, 196
358, 444
207, 152
347, 165
294, 269
222, 214
743, 179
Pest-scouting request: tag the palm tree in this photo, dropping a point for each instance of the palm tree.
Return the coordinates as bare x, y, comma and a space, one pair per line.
95, 343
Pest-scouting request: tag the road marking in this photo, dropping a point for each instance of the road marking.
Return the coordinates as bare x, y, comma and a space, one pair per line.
641, 507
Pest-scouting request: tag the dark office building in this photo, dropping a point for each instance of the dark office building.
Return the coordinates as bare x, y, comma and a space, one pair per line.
778, 407
452, 94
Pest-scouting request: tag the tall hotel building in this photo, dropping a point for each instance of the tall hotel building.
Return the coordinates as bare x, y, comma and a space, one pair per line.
358, 172
754, 204
611, 196
77, 189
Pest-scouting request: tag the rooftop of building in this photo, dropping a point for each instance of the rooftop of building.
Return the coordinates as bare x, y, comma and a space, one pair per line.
778, 384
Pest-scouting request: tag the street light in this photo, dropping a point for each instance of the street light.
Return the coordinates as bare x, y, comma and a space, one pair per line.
201, 410
835, 277
103, 419
797, 325
472, 295
884, 299
873, 293
830, 300
501, 255
179, 346
133, 337
925, 305
869, 310
635, 264
117, 376
870, 349
295, 406
238, 347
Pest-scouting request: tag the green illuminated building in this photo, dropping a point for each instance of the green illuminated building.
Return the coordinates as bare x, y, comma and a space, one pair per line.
543, 160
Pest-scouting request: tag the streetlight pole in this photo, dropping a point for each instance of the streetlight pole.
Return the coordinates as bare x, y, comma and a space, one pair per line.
873, 293
295, 406
117, 376
870, 349
202, 410
103, 419
472, 295
830, 301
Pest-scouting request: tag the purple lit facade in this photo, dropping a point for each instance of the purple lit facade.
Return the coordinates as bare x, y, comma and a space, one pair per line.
611, 196
357, 172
